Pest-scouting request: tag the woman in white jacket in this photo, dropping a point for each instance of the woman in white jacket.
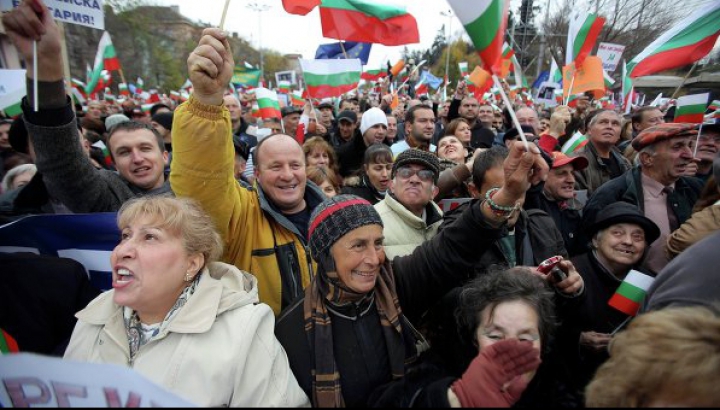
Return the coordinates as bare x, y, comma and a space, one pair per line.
187, 323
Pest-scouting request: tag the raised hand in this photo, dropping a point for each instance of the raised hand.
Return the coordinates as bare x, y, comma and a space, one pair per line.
210, 67
31, 21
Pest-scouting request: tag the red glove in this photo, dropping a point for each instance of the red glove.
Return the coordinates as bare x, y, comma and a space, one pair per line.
483, 383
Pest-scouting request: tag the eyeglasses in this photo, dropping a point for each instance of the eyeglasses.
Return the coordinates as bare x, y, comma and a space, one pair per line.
425, 175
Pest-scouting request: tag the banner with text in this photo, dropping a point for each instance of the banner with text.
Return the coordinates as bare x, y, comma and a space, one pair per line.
30, 380
87, 13
610, 54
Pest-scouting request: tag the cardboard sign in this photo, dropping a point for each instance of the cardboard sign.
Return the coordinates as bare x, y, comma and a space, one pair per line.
589, 77
546, 93
610, 54
40, 381
87, 13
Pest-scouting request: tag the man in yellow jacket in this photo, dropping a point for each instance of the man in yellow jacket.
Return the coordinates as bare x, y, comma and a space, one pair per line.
264, 227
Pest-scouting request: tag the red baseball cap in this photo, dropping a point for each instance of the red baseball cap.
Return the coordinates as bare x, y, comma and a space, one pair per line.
559, 159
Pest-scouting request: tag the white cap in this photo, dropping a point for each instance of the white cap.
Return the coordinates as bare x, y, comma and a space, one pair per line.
372, 117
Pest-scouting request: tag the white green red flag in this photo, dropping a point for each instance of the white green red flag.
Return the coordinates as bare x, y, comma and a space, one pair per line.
123, 88
373, 75
714, 105
507, 52
631, 292
608, 80
330, 78
105, 151
691, 108
105, 60
574, 144
555, 73
627, 89
268, 103
297, 99
366, 21
688, 41
485, 22
284, 86
139, 85
520, 80
463, 67
583, 32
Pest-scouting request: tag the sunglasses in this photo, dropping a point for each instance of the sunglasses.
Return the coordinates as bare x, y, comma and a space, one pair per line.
425, 175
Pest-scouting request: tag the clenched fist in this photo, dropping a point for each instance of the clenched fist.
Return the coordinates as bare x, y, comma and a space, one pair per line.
210, 67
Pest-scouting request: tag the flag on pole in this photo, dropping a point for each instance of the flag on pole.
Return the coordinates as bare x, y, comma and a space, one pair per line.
574, 144
368, 21
123, 88
373, 75
608, 80
352, 50
105, 151
691, 108
555, 73
301, 7
688, 41
105, 60
463, 66
631, 292
268, 103
284, 87
583, 32
296, 98
485, 22
330, 78
627, 89
507, 52
714, 105
139, 85
520, 80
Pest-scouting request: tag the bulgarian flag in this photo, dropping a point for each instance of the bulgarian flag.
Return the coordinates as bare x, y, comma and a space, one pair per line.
255, 110
463, 66
296, 98
301, 7
139, 84
368, 21
572, 99
688, 41
574, 144
268, 103
714, 106
331, 78
627, 90
105, 60
691, 108
123, 89
105, 151
421, 88
558, 92
284, 87
373, 75
631, 292
555, 73
7, 343
507, 52
608, 80
485, 22
583, 32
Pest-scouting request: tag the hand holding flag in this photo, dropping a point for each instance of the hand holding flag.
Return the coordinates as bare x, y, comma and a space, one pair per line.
210, 67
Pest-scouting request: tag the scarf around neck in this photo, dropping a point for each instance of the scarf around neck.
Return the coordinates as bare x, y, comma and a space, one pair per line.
327, 289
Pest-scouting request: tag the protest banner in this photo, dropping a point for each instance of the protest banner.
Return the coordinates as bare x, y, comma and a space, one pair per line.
546, 93
86, 238
610, 54
87, 13
41, 381
589, 77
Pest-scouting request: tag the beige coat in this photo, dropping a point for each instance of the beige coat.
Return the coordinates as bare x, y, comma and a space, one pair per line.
219, 350
403, 230
700, 225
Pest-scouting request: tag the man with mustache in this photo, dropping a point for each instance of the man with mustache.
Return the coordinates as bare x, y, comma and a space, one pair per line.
657, 186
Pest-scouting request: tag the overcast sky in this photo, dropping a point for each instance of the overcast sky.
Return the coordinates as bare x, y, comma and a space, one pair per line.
288, 33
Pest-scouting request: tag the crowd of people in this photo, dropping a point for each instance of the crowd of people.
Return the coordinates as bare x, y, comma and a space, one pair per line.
389, 255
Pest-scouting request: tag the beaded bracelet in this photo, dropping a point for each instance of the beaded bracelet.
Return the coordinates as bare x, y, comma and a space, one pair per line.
499, 210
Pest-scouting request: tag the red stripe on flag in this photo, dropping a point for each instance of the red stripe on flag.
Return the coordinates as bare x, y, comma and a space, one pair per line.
357, 26
111, 64
590, 40
323, 91
624, 304
11, 344
269, 112
690, 118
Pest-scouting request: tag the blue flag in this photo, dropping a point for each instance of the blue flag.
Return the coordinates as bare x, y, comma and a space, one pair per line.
432, 81
544, 76
353, 50
86, 238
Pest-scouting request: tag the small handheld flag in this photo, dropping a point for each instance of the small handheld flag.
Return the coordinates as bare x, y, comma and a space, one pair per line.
631, 292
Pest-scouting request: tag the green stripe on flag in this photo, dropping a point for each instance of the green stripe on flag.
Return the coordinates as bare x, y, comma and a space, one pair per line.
701, 28
3, 344
631, 292
690, 109
13, 110
334, 80
582, 35
370, 8
483, 30
268, 103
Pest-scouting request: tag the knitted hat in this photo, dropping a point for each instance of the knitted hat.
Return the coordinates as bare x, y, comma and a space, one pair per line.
165, 119
372, 117
420, 157
115, 119
334, 218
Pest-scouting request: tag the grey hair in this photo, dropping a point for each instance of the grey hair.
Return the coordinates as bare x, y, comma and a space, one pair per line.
15, 172
596, 114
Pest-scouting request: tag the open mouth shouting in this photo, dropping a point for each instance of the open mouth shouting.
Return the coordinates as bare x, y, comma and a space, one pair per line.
123, 278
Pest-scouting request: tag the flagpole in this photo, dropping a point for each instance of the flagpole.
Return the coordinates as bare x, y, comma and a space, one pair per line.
697, 140
511, 110
122, 76
35, 79
224, 14
572, 83
625, 322
342, 47
682, 83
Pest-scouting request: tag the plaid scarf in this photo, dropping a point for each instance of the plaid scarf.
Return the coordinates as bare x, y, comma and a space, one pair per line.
326, 288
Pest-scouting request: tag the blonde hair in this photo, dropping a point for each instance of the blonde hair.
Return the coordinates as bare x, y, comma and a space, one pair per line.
181, 216
669, 357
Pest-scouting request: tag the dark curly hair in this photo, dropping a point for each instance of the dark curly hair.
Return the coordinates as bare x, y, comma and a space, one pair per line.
498, 286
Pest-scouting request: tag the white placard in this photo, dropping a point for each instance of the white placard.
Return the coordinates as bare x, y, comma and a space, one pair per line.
610, 54
546, 94
30, 380
87, 13
286, 76
12, 87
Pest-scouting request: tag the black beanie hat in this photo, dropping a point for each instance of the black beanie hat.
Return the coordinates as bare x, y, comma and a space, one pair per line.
165, 119
334, 218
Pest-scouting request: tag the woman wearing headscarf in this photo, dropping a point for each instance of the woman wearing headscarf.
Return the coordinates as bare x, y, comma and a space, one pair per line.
352, 332
184, 321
